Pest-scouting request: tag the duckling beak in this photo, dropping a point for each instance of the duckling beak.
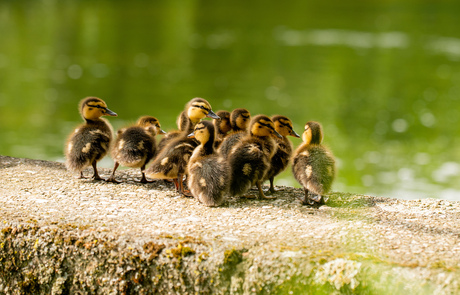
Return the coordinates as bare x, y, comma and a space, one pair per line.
277, 134
110, 113
211, 114
191, 135
162, 131
293, 133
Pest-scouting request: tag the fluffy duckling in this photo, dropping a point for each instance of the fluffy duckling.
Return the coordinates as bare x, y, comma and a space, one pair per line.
208, 173
89, 142
136, 146
283, 153
249, 160
239, 120
172, 160
195, 110
222, 127
313, 165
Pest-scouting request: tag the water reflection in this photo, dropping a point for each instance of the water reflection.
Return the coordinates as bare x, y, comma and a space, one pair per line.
383, 81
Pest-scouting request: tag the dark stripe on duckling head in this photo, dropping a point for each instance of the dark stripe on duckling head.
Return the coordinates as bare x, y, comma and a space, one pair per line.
105, 110
95, 102
148, 120
201, 106
200, 126
316, 132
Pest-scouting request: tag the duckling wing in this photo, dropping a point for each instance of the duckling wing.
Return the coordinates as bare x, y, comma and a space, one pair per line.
229, 142
323, 166
134, 147
248, 163
168, 138
173, 159
85, 145
314, 168
208, 180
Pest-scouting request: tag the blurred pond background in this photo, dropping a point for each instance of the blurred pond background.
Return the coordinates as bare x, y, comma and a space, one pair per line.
383, 77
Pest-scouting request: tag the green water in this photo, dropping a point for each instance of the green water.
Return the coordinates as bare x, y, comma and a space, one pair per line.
383, 77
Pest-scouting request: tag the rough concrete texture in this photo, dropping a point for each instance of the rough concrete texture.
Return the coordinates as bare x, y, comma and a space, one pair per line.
62, 235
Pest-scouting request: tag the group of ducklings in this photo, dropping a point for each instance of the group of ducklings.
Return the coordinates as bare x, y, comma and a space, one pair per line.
225, 157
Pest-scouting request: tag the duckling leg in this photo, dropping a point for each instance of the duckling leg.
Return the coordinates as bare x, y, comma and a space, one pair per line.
176, 184
81, 175
112, 177
182, 191
96, 175
272, 187
312, 199
144, 179
261, 192
305, 197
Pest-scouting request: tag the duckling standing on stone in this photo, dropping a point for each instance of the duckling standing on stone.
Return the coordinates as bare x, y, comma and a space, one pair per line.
239, 119
283, 153
222, 127
249, 160
208, 173
172, 160
89, 142
313, 165
136, 146
195, 110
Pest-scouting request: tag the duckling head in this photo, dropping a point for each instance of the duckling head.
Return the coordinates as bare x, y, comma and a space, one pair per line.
262, 126
240, 119
223, 124
92, 108
149, 122
283, 126
204, 132
313, 133
198, 108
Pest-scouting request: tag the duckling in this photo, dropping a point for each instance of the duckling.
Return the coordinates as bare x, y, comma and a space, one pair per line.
249, 160
222, 127
208, 173
283, 153
89, 142
195, 110
313, 165
136, 146
172, 160
239, 120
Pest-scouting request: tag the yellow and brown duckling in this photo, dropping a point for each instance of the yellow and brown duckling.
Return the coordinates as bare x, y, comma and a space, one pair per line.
195, 110
173, 157
239, 120
222, 127
171, 162
313, 165
89, 142
135, 146
281, 158
207, 172
249, 160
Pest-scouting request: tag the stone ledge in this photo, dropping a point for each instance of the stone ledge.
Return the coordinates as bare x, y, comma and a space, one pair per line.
61, 235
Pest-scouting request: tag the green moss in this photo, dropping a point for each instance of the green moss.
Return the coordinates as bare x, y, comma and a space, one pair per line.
181, 251
233, 257
6, 230
153, 249
349, 200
